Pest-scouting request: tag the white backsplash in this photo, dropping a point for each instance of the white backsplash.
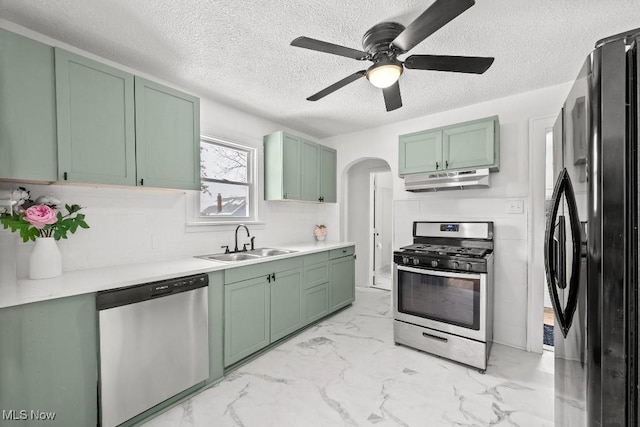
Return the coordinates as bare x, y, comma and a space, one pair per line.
141, 225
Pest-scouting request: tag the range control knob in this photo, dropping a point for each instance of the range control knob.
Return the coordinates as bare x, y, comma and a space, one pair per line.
434, 263
469, 266
416, 261
405, 260
456, 264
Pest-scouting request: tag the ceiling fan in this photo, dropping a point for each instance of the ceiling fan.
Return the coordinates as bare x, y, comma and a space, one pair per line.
384, 42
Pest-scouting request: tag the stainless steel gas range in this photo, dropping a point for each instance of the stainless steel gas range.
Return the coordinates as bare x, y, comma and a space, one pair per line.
443, 291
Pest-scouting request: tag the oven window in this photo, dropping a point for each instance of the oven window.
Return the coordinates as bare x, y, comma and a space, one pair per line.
451, 300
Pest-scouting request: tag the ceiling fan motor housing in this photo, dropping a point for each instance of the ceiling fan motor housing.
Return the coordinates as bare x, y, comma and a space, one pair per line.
379, 37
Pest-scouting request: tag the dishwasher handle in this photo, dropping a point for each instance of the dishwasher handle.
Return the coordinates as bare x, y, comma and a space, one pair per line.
138, 293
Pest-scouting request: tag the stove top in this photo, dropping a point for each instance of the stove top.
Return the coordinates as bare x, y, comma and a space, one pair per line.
445, 250
463, 246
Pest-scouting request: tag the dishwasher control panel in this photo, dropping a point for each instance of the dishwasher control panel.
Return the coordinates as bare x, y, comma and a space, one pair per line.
138, 293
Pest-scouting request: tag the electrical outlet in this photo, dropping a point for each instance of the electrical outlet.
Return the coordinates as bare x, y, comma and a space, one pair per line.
515, 206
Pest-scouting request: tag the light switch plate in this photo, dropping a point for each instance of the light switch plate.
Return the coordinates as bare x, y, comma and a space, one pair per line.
515, 206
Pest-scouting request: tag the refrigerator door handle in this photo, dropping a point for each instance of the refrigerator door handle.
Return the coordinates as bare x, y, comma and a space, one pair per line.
555, 252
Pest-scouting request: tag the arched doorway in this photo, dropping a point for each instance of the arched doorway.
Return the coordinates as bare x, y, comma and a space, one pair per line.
367, 201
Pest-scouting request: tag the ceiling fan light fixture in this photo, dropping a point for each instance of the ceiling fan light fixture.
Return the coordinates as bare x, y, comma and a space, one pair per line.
384, 75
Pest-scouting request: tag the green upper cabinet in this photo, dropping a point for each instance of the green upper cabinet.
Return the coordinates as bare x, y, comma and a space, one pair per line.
420, 152
167, 137
474, 144
298, 169
328, 174
282, 166
117, 129
27, 109
95, 116
468, 146
309, 171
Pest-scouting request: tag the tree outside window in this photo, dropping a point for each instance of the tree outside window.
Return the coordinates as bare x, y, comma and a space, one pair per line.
226, 180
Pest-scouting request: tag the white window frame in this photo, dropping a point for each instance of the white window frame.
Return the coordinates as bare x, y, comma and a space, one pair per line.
205, 220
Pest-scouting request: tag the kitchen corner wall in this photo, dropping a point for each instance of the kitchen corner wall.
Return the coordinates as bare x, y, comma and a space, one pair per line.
511, 184
130, 225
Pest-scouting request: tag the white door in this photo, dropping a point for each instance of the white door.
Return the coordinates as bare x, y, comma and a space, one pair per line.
382, 201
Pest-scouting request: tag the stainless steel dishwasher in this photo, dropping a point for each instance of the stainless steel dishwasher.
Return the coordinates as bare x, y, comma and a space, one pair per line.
153, 344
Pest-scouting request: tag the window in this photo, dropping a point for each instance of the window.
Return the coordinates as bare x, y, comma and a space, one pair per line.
227, 188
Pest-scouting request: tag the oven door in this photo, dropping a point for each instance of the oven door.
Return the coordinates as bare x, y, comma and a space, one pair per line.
441, 300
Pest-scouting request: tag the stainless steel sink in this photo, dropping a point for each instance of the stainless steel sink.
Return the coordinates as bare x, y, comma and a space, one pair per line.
266, 252
242, 256
248, 255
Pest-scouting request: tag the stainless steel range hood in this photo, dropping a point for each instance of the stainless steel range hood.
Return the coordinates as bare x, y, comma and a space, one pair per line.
455, 180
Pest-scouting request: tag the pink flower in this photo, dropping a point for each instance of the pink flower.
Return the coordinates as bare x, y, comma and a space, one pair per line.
40, 215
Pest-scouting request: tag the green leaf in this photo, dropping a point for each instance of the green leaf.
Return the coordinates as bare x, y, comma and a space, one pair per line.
83, 224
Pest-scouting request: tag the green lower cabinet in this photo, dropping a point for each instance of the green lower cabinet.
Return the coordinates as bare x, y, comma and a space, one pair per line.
216, 325
286, 315
342, 282
247, 317
49, 363
315, 303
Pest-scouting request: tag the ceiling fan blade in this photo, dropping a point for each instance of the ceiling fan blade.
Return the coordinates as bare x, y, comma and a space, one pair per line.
313, 44
392, 98
435, 17
337, 85
456, 64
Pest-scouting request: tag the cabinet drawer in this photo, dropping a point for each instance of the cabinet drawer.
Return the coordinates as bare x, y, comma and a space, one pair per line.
337, 253
316, 258
315, 275
232, 275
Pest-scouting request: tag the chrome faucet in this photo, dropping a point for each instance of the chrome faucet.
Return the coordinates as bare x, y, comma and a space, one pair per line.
244, 247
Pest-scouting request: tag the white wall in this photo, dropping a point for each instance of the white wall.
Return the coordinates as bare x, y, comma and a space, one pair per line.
511, 183
136, 225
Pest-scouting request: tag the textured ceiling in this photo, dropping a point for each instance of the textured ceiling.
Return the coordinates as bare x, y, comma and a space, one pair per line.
237, 52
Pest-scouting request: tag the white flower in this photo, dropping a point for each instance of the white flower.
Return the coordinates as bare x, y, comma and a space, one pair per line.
19, 196
47, 200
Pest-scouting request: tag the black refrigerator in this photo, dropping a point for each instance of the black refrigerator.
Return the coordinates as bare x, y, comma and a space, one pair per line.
591, 241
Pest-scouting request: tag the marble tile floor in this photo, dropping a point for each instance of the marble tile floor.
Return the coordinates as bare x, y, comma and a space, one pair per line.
347, 371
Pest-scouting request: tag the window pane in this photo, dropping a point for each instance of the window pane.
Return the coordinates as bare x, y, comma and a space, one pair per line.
223, 163
224, 200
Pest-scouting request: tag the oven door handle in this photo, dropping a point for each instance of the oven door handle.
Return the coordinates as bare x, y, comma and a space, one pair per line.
439, 273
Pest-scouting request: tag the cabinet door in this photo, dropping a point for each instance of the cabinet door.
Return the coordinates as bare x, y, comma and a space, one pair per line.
28, 148
285, 303
49, 361
309, 171
291, 167
96, 135
167, 137
246, 328
328, 174
342, 283
420, 152
315, 303
469, 146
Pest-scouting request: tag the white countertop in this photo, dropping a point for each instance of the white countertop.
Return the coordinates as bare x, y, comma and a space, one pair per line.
99, 279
